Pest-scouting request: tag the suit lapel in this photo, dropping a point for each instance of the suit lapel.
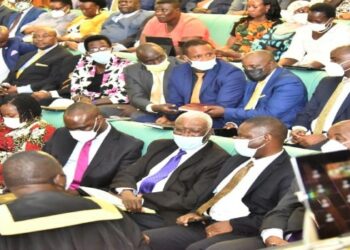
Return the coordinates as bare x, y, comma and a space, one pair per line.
188, 84
209, 79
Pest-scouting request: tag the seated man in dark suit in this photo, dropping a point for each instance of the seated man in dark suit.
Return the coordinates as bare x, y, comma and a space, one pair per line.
38, 70
173, 174
123, 26
208, 7
329, 104
11, 50
272, 91
205, 80
284, 223
44, 216
247, 187
90, 150
146, 82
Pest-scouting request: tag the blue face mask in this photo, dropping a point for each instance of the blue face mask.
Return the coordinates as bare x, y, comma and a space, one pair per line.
188, 142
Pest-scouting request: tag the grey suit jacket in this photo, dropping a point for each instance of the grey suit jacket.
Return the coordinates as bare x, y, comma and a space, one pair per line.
288, 215
139, 83
126, 29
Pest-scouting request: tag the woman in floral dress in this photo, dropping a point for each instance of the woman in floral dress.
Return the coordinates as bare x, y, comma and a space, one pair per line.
22, 128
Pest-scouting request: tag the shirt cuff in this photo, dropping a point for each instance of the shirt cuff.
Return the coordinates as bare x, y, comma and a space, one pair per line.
24, 89
121, 189
266, 233
54, 94
149, 108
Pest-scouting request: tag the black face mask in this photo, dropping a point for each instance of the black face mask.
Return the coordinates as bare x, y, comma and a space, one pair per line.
255, 75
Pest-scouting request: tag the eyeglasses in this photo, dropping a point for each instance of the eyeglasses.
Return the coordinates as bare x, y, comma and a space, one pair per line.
94, 50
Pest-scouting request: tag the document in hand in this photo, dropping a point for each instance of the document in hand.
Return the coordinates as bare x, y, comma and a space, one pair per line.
108, 197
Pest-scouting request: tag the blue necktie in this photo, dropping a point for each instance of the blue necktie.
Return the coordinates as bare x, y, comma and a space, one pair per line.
148, 183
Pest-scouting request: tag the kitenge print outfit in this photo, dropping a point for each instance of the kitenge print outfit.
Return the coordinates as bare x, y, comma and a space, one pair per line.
111, 83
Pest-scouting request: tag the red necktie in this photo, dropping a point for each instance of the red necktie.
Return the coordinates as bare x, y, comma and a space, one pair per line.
82, 164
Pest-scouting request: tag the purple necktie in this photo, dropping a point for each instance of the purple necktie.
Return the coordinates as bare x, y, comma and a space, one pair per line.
82, 164
148, 184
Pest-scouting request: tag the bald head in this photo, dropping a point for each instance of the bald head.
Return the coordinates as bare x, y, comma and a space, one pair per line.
31, 167
341, 55
4, 36
260, 60
340, 132
150, 53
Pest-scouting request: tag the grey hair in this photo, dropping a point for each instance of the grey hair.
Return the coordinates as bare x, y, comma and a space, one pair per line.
199, 115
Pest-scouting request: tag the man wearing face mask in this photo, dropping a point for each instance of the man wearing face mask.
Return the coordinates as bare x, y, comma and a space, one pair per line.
248, 185
272, 91
89, 149
329, 104
146, 82
205, 80
173, 174
284, 223
312, 44
58, 18
25, 14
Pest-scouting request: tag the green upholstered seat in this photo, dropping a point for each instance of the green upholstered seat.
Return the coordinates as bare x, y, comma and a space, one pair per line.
148, 134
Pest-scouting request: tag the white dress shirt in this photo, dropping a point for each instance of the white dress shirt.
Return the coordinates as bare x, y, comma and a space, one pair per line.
70, 166
231, 206
121, 16
4, 70
160, 185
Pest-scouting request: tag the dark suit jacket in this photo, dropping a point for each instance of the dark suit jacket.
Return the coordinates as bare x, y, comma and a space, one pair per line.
139, 82
14, 49
183, 189
44, 74
222, 85
216, 7
288, 215
319, 99
31, 15
262, 196
5, 13
117, 151
283, 96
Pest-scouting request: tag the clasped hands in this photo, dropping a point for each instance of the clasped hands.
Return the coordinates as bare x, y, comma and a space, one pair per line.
7, 89
300, 137
214, 229
132, 202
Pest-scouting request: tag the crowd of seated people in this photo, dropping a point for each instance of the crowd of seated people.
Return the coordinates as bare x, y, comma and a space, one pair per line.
186, 192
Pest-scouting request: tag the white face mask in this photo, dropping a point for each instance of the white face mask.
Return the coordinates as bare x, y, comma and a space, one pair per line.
335, 69
158, 67
13, 122
319, 27
300, 18
102, 57
57, 13
22, 6
84, 136
188, 142
332, 146
242, 148
203, 65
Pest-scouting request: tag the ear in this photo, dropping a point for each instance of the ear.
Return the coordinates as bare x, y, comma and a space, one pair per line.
185, 58
207, 136
60, 181
268, 137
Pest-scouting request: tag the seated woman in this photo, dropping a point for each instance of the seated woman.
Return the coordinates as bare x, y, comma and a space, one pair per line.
98, 76
262, 15
22, 128
343, 10
87, 24
278, 38
312, 44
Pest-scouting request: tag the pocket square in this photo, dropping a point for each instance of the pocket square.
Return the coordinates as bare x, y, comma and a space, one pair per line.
14, 52
262, 96
41, 65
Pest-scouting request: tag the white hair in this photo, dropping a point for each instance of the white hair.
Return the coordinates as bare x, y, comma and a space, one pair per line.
198, 115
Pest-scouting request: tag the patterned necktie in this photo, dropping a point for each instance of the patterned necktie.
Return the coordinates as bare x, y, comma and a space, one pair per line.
197, 88
82, 164
35, 58
253, 101
327, 109
148, 183
227, 189
157, 88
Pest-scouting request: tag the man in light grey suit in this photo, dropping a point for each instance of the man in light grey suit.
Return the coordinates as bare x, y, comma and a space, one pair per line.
123, 27
147, 81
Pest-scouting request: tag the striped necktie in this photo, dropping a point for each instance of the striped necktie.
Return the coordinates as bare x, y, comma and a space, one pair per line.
35, 58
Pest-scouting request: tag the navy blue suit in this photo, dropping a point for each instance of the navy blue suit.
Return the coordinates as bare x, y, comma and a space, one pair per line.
283, 96
30, 16
14, 49
216, 7
222, 85
319, 99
